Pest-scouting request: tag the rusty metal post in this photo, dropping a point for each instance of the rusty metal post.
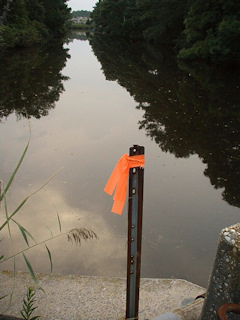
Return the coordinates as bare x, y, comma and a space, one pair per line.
135, 210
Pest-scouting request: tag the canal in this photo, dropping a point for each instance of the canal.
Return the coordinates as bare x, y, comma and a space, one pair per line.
87, 103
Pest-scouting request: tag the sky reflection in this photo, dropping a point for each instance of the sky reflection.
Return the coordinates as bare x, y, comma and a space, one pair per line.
93, 124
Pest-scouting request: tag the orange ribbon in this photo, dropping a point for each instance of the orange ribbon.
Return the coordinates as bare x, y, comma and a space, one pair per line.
119, 180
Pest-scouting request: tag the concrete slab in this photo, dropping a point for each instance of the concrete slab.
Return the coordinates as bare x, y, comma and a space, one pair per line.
72, 297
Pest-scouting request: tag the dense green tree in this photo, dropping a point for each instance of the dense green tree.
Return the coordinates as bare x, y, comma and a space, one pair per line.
114, 17
213, 31
57, 15
105, 17
157, 21
36, 10
29, 22
18, 29
161, 20
207, 30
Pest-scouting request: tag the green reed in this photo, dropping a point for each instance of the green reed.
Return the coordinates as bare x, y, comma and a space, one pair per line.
74, 235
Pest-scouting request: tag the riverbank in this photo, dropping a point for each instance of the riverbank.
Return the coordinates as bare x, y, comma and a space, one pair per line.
72, 297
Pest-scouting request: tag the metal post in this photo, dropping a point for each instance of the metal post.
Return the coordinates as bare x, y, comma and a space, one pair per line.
135, 209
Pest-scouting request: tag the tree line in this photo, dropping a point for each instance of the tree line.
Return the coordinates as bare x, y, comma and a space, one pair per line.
80, 13
196, 29
29, 22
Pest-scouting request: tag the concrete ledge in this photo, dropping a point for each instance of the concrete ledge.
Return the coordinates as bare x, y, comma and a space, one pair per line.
71, 297
191, 311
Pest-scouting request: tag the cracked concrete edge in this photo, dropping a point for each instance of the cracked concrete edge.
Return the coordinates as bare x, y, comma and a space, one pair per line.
157, 296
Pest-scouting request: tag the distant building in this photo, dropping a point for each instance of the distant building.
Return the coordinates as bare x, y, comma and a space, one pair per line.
80, 20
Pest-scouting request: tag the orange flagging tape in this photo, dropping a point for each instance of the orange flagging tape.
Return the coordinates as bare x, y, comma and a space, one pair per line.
119, 180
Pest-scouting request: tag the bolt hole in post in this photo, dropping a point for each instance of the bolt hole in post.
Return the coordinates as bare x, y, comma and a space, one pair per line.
135, 208
130, 165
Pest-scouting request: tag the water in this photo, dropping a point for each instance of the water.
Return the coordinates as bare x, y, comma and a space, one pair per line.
82, 123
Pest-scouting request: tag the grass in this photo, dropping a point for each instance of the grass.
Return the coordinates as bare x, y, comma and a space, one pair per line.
29, 305
74, 235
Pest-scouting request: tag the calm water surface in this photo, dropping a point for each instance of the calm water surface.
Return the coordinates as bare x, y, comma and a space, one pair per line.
83, 123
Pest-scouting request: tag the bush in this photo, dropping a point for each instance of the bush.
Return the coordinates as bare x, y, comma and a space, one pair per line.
7, 37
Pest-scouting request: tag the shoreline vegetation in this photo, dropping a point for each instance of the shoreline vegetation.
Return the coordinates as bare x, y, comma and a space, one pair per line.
26, 23
39, 23
196, 31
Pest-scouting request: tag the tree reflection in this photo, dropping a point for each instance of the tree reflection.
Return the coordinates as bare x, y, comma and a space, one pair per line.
188, 109
76, 35
31, 81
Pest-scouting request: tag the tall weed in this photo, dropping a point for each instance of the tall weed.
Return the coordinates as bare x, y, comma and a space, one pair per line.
74, 235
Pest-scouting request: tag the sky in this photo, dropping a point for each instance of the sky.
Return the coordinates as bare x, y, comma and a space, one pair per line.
82, 4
